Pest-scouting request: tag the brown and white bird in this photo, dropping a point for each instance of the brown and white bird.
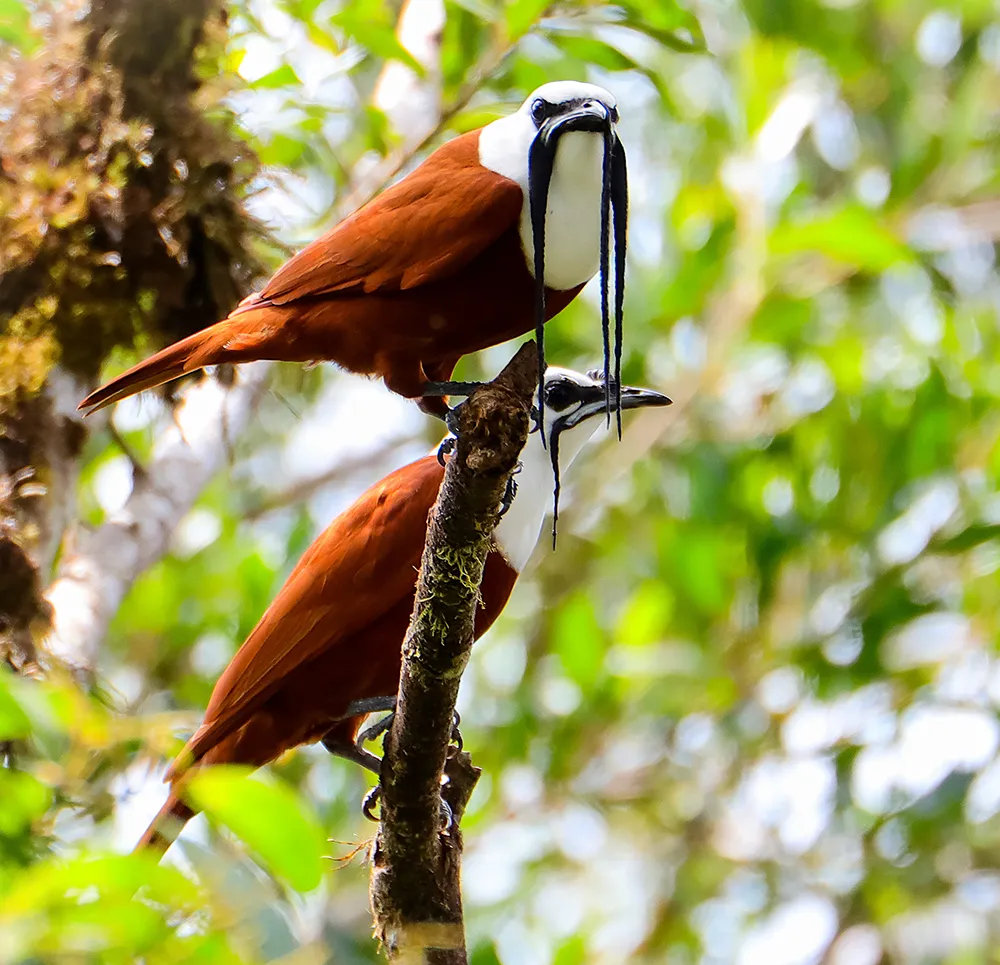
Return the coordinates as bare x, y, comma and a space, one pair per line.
447, 261
332, 637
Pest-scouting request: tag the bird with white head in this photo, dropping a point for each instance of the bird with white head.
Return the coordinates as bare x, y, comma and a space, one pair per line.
493, 234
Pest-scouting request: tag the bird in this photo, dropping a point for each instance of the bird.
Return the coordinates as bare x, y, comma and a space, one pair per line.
453, 258
329, 644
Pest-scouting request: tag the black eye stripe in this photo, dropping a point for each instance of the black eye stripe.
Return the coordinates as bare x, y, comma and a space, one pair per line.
561, 394
542, 110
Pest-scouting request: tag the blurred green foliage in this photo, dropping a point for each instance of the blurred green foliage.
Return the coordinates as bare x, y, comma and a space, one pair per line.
747, 711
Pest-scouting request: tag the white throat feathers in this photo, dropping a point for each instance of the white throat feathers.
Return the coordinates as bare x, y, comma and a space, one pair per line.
519, 529
573, 212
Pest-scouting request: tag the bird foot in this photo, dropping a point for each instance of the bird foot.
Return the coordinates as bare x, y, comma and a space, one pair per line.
438, 389
351, 751
449, 415
376, 729
370, 801
446, 448
381, 726
356, 752
374, 796
509, 492
451, 419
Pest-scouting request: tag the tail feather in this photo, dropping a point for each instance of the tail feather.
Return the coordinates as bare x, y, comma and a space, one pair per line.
166, 826
244, 338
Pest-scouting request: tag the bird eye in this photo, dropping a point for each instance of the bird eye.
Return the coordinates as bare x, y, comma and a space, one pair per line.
539, 110
559, 395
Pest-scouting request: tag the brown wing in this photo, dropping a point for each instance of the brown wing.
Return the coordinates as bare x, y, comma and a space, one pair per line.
363, 563
424, 228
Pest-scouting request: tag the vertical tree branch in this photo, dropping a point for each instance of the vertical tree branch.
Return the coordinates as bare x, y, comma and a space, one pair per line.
415, 890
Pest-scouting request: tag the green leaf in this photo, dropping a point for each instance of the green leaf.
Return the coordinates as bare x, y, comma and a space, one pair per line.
370, 24
851, 235
647, 614
53, 883
283, 76
322, 38
14, 723
282, 151
572, 952
15, 25
522, 15
579, 640
593, 51
43, 709
24, 798
302, 10
271, 819
665, 22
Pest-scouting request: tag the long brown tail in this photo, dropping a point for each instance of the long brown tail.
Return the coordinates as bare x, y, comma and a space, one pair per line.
244, 337
166, 826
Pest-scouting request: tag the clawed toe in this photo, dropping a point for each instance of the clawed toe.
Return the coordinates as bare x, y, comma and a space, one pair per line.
370, 802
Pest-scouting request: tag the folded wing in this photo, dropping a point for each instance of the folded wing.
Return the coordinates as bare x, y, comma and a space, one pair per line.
364, 563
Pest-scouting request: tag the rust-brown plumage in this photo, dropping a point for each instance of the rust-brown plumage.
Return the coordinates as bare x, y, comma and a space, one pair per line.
430, 270
332, 636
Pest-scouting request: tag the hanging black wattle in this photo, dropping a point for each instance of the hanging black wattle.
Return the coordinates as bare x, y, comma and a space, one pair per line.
605, 265
541, 157
619, 204
614, 209
554, 455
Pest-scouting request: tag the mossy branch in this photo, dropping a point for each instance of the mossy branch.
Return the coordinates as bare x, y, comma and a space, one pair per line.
122, 220
415, 891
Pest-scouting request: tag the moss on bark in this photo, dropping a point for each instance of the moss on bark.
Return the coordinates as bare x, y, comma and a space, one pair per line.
122, 218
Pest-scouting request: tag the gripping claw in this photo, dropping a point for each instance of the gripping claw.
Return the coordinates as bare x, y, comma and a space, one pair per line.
446, 448
370, 802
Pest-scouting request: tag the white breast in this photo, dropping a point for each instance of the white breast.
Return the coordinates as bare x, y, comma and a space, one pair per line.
518, 531
573, 218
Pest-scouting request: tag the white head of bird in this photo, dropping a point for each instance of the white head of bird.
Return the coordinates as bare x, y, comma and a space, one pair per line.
571, 117
574, 412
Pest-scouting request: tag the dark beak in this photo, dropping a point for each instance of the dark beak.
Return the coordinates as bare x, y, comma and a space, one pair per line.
634, 398
593, 401
588, 117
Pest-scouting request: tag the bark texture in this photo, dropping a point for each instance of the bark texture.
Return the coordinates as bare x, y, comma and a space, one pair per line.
415, 886
121, 220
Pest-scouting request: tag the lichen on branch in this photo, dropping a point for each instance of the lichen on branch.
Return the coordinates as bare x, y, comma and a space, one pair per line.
415, 893
122, 222
122, 184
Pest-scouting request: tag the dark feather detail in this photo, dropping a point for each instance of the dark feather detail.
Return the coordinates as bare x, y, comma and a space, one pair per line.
605, 266
619, 202
557, 485
541, 157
